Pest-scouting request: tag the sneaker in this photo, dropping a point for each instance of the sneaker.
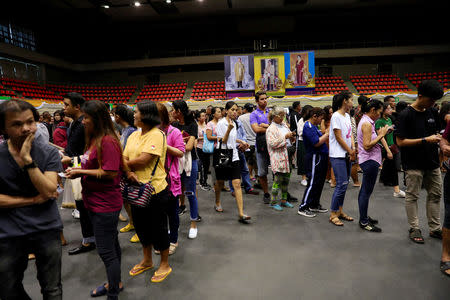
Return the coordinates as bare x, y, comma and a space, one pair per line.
287, 204
205, 187
306, 213
182, 210
373, 221
400, 194
277, 207
319, 209
135, 239
266, 198
127, 228
199, 219
193, 233
370, 227
76, 214
304, 182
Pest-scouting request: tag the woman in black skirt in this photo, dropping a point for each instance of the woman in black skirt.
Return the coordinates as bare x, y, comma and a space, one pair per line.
227, 132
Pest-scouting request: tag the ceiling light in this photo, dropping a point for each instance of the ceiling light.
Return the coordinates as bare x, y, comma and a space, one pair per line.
105, 6
137, 4
168, 1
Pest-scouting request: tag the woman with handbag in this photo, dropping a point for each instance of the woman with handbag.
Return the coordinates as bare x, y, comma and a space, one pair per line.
369, 157
145, 156
204, 158
226, 160
100, 172
189, 129
389, 173
278, 138
175, 150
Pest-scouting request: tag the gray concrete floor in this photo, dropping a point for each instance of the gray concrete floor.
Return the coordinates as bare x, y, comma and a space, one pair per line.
281, 255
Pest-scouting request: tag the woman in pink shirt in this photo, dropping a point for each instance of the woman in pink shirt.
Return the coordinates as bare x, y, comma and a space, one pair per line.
101, 167
369, 157
175, 150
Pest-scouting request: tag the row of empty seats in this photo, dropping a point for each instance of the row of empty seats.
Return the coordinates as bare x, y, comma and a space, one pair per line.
5, 92
29, 89
329, 85
370, 84
162, 92
443, 77
110, 94
209, 90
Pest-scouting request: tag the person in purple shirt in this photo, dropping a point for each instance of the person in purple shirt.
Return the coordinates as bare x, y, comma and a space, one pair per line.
259, 122
369, 157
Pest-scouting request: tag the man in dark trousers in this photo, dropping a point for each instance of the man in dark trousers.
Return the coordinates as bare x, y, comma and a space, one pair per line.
75, 148
29, 217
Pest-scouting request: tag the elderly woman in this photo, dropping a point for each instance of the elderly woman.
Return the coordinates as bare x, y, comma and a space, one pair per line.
278, 138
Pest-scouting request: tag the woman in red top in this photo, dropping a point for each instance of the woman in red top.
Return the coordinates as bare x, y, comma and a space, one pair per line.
101, 167
60, 131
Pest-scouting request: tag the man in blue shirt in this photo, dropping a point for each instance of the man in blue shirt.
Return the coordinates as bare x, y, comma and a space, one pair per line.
29, 217
316, 163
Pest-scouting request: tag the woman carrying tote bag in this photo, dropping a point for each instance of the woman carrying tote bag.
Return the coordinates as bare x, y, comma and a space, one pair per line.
226, 160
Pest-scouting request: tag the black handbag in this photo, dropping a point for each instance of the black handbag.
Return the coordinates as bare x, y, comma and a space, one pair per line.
261, 143
222, 158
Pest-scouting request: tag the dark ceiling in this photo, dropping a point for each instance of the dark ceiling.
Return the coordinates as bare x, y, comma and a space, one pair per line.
84, 31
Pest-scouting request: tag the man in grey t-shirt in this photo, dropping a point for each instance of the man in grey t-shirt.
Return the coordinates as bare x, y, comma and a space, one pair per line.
29, 217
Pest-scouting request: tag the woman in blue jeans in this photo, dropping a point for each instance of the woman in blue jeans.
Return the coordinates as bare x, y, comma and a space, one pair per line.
189, 130
369, 157
101, 167
342, 151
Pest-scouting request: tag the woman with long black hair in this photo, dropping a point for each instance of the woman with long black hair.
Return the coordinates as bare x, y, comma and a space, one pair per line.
185, 122
101, 168
300, 146
227, 134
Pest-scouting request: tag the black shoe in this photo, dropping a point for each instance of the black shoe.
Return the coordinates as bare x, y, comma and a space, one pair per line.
257, 186
318, 209
373, 221
182, 210
370, 227
266, 198
199, 219
82, 249
291, 199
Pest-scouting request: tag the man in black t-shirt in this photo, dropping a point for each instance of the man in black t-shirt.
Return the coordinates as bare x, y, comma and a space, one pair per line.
29, 217
418, 136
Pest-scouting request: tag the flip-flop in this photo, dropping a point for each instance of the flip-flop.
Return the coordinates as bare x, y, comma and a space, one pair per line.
218, 208
101, 291
164, 276
138, 270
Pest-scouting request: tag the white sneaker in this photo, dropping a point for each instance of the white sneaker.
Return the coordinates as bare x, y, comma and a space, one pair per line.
304, 182
75, 214
193, 233
400, 194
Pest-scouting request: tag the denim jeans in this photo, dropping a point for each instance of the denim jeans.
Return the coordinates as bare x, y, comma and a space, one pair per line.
174, 217
341, 168
370, 173
190, 185
46, 246
245, 174
108, 247
85, 222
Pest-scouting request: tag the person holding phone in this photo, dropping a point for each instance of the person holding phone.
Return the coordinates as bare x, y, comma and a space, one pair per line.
389, 173
369, 157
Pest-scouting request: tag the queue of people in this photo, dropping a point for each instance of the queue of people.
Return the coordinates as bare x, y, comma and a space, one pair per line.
148, 161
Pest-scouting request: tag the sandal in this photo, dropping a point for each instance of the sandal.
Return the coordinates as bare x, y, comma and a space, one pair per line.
244, 219
416, 236
138, 270
218, 208
101, 291
444, 266
336, 221
164, 276
437, 234
345, 217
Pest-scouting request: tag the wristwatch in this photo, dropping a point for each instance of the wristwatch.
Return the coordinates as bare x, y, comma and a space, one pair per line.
31, 165
424, 141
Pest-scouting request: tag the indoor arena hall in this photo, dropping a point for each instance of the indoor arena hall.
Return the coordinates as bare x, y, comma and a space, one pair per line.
224, 149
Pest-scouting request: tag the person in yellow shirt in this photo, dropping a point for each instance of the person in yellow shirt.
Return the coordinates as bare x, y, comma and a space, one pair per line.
239, 72
143, 151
